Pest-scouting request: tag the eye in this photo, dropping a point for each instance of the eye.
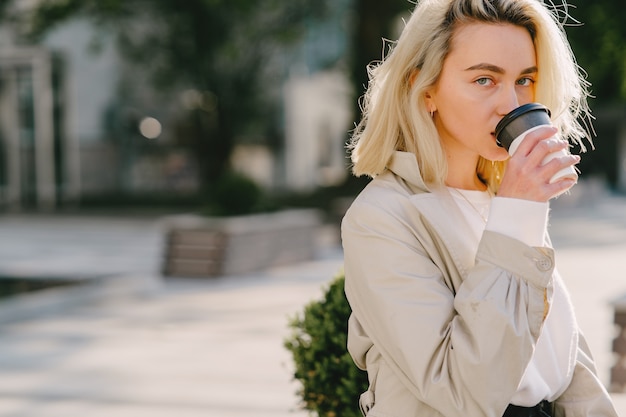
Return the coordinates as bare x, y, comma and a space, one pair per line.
483, 81
526, 81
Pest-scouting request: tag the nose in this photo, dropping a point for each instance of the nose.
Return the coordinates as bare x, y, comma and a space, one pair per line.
507, 100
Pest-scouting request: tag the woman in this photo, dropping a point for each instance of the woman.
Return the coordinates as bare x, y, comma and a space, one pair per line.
458, 309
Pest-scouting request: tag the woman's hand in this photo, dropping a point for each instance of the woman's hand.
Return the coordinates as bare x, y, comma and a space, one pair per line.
526, 178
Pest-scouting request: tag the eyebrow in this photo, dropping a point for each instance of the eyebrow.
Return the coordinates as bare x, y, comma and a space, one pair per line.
497, 69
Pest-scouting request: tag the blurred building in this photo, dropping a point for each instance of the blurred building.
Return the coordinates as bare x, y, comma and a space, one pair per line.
38, 161
317, 110
69, 128
317, 116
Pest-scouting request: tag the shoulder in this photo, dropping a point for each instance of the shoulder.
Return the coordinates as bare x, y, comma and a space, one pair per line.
387, 203
387, 190
385, 193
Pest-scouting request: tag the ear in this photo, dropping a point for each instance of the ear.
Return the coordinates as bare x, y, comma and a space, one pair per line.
413, 76
431, 106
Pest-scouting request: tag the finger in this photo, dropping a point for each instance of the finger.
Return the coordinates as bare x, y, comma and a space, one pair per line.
560, 186
534, 137
547, 149
534, 181
556, 165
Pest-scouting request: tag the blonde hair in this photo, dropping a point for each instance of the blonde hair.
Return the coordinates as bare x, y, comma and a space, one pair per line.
394, 113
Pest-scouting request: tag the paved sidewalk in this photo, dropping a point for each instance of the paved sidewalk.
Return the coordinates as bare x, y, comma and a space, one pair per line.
188, 348
139, 345
133, 344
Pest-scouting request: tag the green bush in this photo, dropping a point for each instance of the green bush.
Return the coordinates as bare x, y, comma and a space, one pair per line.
235, 194
330, 381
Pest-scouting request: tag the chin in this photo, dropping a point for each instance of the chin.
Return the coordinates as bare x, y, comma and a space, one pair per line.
499, 155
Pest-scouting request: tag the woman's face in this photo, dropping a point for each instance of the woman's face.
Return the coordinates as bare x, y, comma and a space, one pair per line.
490, 70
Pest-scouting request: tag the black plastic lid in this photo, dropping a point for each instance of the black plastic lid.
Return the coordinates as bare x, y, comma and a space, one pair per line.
505, 139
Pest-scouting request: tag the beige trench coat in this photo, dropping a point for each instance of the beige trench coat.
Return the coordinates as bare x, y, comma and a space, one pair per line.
442, 330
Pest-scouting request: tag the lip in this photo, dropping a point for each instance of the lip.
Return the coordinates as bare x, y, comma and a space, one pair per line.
495, 138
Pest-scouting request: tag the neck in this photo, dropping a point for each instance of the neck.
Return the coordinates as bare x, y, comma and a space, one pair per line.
462, 170
465, 182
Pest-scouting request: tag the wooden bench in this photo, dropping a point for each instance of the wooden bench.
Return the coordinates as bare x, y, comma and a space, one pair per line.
207, 247
618, 371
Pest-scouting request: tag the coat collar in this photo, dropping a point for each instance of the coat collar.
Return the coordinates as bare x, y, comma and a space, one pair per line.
404, 165
438, 206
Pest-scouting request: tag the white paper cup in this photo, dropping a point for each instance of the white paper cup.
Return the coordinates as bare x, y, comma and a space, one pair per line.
514, 127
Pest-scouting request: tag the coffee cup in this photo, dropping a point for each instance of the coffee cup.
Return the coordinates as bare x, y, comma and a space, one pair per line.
513, 128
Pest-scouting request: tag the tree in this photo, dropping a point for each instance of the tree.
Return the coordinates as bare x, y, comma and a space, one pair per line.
598, 35
218, 48
374, 22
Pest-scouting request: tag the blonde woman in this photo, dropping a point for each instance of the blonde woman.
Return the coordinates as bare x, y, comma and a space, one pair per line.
458, 308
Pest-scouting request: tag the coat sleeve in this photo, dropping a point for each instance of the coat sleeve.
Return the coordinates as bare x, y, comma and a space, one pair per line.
462, 354
586, 395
